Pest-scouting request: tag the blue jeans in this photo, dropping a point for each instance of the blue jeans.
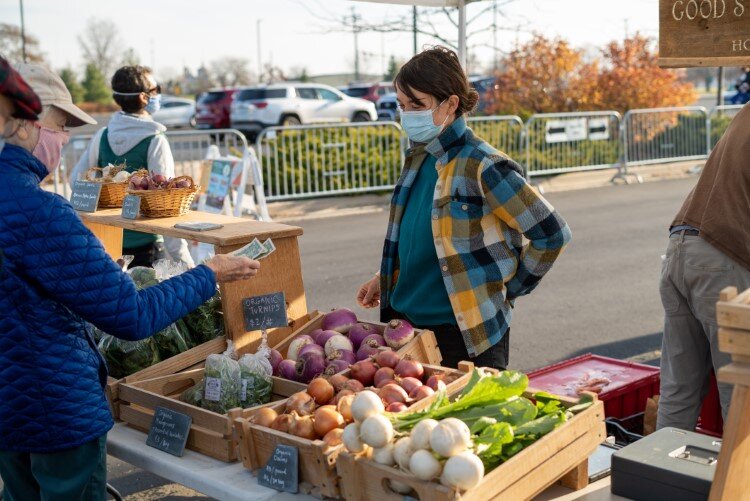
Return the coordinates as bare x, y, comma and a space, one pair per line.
69, 475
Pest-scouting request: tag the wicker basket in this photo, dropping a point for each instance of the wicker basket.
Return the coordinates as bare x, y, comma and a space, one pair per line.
167, 202
112, 194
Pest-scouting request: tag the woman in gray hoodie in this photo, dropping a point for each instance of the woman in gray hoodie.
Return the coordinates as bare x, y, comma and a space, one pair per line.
133, 137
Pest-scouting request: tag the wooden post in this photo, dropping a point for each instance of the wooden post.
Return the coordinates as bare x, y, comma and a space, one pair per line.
733, 469
110, 236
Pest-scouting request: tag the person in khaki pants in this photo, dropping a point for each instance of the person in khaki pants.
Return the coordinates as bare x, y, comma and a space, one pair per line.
709, 249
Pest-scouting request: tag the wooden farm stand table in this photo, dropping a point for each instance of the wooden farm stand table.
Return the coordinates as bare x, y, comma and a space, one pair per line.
232, 481
280, 271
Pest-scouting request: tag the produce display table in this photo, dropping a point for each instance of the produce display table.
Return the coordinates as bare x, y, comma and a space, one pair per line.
229, 482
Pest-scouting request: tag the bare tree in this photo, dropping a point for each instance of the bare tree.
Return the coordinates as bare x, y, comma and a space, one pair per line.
130, 57
101, 45
231, 71
11, 46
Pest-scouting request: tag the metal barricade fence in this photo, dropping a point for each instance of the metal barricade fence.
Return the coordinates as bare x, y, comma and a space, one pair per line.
660, 135
718, 121
331, 159
190, 148
569, 142
503, 132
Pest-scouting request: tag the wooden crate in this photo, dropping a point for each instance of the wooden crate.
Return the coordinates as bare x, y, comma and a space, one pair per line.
560, 455
191, 359
423, 347
318, 475
211, 433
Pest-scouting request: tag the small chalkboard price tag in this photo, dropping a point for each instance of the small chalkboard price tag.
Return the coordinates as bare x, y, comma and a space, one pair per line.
282, 470
169, 431
131, 206
85, 197
262, 312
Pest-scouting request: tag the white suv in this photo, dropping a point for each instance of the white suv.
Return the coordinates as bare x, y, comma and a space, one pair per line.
255, 108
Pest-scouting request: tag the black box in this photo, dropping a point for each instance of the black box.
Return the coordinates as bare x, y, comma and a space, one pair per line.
668, 464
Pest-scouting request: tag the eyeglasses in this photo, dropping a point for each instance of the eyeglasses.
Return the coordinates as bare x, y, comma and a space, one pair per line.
155, 90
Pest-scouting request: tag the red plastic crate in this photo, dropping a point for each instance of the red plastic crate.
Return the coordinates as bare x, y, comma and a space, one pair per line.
630, 387
710, 421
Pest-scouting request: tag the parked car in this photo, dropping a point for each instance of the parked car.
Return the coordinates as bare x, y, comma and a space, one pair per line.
371, 92
176, 112
212, 110
485, 86
388, 107
255, 108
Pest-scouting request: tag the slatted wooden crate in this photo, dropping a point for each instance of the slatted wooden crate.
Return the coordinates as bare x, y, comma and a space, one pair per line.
423, 347
561, 455
211, 433
318, 475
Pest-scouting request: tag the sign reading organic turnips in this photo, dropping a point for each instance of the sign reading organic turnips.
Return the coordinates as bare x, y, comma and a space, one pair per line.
704, 33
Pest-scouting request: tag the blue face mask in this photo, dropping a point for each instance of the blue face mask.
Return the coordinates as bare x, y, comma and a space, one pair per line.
154, 104
419, 125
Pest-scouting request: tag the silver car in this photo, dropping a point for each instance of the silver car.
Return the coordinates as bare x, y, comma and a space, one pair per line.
176, 112
255, 108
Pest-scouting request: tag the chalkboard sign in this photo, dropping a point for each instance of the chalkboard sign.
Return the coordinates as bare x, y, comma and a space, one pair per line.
169, 431
282, 470
262, 312
131, 206
85, 196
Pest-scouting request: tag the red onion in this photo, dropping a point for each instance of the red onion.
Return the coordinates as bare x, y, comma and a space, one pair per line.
340, 320
292, 353
436, 382
324, 336
364, 372
409, 384
309, 366
314, 334
346, 355
387, 358
397, 333
396, 407
275, 358
337, 380
286, 369
338, 342
359, 332
311, 348
393, 393
383, 376
353, 385
336, 366
408, 367
421, 392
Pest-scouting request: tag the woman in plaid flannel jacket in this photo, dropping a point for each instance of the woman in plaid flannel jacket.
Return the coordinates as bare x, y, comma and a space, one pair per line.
454, 258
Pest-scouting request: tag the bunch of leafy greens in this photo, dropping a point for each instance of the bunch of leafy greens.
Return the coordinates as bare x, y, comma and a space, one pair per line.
206, 322
193, 395
128, 357
502, 421
222, 382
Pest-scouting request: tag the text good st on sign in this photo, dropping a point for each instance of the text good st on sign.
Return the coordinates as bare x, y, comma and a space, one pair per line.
282, 470
131, 206
169, 431
85, 196
263, 312
704, 33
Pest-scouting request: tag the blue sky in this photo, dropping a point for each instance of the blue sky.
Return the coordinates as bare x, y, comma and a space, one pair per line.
170, 34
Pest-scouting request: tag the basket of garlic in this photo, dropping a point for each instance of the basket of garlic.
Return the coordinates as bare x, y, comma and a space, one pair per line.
114, 181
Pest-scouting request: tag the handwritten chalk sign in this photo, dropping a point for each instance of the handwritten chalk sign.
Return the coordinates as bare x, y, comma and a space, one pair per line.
704, 33
262, 312
131, 206
282, 470
85, 197
169, 431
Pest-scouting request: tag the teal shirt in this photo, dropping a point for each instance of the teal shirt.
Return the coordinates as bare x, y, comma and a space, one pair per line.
420, 292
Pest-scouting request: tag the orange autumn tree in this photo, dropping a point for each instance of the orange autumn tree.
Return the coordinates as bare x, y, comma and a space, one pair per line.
548, 75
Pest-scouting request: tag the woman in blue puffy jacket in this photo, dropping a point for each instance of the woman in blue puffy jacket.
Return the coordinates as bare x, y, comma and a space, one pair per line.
54, 278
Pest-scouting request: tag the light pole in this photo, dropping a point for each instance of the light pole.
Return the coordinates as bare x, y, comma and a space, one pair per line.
23, 34
260, 64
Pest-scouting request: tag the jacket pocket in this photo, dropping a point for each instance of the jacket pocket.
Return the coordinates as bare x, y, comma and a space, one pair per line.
461, 220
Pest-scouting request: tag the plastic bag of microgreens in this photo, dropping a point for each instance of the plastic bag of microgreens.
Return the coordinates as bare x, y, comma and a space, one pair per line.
222, 382
255, 373
128, 357
193, 395
175, 339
